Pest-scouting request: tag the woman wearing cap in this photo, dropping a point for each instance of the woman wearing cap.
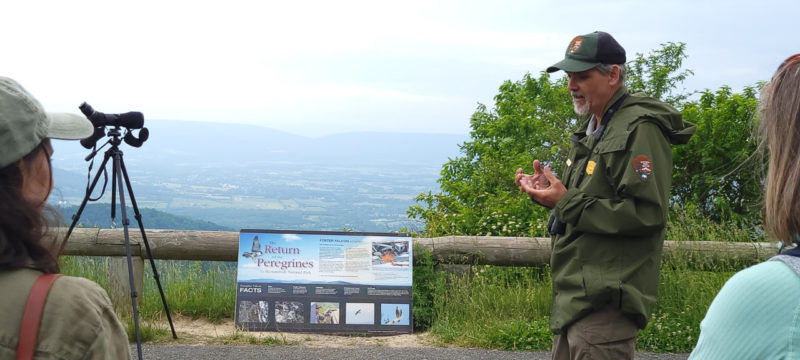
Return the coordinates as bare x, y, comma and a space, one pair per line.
756, 315
59, 317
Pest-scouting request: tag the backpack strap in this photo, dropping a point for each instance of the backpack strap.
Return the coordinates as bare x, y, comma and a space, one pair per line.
795, 251
33, 315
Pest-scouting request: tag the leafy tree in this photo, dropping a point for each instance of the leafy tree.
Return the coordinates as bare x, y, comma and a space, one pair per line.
657, 73
532, 119
719, 173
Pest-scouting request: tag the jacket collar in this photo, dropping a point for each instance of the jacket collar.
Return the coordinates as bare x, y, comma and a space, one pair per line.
585, 122
621, 91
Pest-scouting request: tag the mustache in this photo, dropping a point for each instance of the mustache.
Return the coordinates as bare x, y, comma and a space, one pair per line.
576, 93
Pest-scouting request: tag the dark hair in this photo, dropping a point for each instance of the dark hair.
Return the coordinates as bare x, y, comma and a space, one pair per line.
23, 226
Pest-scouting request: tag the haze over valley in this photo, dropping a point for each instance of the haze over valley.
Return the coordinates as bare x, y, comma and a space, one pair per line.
242, 176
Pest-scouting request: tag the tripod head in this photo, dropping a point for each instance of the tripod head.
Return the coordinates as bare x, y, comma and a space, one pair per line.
129, 120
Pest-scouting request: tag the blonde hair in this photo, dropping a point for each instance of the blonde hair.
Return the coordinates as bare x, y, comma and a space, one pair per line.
780, 121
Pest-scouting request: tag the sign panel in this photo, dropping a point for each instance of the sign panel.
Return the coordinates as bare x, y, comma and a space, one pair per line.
314, 281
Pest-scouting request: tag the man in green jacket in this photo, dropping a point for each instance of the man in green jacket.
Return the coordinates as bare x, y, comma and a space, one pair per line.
610, 207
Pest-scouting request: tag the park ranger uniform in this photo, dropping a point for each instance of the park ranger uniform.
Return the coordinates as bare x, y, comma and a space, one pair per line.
614, 214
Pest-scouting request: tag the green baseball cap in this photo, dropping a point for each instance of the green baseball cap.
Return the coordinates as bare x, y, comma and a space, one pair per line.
24, 124
587, 51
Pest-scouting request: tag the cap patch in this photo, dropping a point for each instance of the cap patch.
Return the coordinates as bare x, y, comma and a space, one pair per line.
575, 44
643, 167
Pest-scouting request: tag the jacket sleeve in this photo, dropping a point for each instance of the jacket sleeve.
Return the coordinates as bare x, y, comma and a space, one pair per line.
640, 177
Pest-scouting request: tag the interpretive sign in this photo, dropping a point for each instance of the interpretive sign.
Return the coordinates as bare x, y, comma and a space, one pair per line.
313, 281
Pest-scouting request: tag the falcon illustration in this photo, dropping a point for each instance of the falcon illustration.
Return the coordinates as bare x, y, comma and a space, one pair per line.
397, 311
255, 250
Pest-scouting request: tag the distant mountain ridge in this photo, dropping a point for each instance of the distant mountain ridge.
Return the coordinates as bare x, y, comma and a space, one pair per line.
99, 215
190, 142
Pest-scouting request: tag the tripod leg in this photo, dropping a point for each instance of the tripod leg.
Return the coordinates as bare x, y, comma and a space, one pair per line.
114, 190
118, 179
89, 191
138, 217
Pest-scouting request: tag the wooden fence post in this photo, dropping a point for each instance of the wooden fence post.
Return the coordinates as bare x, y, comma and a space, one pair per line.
119, 282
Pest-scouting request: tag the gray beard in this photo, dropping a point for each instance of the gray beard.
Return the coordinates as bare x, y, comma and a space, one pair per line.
582, 110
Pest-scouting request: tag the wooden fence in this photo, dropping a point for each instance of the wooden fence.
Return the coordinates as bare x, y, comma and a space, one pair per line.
452, 250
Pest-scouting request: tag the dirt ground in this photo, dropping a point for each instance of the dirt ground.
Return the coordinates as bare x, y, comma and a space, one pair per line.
202, 331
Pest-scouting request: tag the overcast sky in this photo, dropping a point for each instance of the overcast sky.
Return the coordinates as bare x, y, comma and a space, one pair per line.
323, 67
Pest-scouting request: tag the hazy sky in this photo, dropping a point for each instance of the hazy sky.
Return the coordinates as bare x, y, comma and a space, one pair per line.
322, 67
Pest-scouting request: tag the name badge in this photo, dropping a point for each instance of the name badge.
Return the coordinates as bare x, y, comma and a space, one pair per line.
590, 167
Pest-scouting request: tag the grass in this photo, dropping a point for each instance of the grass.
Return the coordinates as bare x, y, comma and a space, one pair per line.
192, 288
149, 331
495, 307
242, 338
489, 307
684, 298
508, 308
684, 227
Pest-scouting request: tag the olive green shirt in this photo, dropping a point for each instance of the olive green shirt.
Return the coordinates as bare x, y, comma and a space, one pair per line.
78, 321
616, 213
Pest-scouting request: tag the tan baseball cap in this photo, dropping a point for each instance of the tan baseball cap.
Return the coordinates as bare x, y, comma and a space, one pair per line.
24, 123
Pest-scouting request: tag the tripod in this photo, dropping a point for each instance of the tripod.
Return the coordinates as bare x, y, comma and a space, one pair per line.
117, 175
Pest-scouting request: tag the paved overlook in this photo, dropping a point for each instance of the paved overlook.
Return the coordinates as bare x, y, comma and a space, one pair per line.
301, 352
199, 339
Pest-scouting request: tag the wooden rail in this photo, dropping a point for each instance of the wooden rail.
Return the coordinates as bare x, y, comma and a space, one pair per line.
473, 250
464, 250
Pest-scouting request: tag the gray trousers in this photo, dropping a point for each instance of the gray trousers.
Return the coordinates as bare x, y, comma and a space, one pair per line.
603, 334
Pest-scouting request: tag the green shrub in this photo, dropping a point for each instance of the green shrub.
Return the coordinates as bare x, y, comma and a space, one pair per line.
425, 284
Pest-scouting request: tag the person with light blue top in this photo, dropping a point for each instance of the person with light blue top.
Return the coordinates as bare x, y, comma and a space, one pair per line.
756, 314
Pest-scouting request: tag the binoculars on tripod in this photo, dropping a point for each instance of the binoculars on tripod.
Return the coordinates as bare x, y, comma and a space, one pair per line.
129, 120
